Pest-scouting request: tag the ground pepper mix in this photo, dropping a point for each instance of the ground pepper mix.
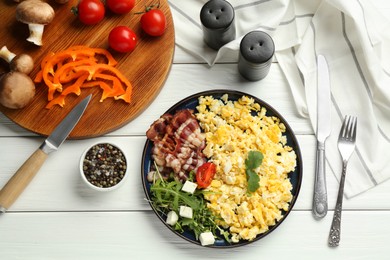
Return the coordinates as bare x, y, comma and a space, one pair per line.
104, 165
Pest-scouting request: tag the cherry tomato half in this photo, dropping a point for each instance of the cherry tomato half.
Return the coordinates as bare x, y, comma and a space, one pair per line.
120, 6
90, 11
153, 22
205, 174
122, 39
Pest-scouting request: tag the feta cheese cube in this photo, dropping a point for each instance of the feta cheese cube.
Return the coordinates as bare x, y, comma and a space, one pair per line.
206, 238
172, 218
185, 212
189, 187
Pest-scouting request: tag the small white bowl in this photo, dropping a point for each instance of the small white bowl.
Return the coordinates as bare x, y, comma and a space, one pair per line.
104, 171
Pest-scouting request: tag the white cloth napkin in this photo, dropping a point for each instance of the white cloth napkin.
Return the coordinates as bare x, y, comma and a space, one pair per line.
355, 39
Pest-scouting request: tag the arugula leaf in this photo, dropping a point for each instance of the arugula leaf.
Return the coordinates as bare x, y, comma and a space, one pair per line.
171, 193
254, 160
167, 196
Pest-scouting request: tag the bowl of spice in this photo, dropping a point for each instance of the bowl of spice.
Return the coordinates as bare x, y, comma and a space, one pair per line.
103, 166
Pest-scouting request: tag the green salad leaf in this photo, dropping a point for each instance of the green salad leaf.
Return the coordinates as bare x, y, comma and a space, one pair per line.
254, 160
167, 195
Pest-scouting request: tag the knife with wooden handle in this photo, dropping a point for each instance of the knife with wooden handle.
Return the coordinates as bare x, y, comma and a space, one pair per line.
23, 176
320, 198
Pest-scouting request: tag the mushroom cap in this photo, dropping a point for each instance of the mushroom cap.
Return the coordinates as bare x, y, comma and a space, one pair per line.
22, 63
35, 12
16, 90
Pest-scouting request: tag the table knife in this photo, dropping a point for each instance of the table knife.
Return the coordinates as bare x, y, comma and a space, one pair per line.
320, 200
23, 176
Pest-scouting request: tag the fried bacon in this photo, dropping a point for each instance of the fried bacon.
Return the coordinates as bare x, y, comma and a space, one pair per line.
177, 143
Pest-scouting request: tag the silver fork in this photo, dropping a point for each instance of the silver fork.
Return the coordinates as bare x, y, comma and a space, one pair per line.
346, 145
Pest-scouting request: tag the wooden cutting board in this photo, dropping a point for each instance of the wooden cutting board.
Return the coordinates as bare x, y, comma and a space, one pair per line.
146, 67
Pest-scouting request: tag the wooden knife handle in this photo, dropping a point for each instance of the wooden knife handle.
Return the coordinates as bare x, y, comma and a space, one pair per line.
19, 181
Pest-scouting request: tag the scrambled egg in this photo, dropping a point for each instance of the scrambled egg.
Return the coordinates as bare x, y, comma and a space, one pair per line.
233, 129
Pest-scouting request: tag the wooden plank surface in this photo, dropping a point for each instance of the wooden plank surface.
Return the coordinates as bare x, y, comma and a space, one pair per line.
139, 235
186, 79
146, 67
59, 187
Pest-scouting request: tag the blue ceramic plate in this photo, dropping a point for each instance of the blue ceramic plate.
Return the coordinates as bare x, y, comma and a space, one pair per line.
190, 103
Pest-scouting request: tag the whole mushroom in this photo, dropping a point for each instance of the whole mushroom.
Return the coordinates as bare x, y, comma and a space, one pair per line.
16, 90
36, 14
22, 62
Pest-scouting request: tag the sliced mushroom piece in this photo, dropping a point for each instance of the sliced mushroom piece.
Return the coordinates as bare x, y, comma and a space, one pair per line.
22, 62
36, 14
16, 90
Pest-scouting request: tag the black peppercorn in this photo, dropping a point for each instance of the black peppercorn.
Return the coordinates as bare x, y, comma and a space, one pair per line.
104, 165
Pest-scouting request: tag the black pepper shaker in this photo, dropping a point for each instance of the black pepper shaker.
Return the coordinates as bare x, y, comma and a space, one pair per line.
217, 17
256, 51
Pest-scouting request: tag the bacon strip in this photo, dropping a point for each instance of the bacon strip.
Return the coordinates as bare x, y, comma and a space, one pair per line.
178, 143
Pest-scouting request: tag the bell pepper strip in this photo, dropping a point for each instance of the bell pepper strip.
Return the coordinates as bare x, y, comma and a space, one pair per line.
48, 79
98, 68
50, 63
75, 53
110, 59
77, 67
59, 57
75, 88
64, 75
126, 96
103, 85
117, 87
48, 69
39, 77
60, 100
71, 76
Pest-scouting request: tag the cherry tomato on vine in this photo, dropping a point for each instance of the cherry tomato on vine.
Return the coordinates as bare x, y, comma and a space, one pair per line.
153, 22
120, 6
205, 174
89, 11
122, 39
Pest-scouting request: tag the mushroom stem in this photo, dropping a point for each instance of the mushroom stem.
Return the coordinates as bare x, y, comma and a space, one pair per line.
36, 31
6, 54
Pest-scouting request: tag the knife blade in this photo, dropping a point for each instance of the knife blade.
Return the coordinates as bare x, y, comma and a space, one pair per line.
320, 200
23, 176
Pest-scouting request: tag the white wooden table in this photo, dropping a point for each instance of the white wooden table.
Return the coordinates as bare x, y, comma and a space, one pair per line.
58, 217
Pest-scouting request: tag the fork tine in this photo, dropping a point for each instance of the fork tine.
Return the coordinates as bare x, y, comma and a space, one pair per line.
354, 128
344, 127
348, 129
